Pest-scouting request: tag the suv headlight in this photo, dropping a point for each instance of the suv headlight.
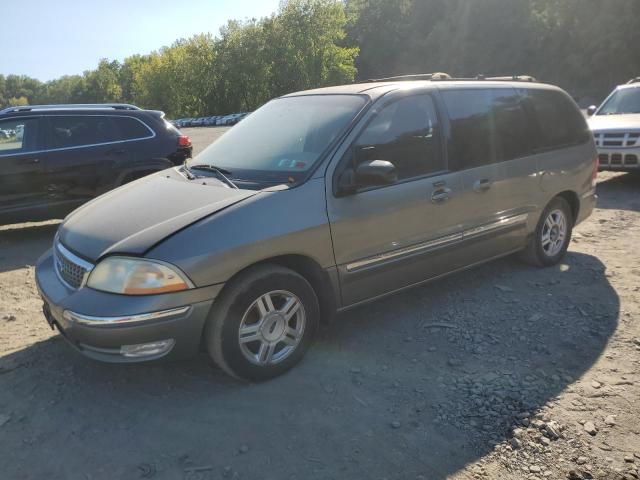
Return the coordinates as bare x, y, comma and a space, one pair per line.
136, 276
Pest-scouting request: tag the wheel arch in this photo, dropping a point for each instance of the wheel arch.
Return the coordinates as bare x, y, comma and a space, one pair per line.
572, 199
311, 270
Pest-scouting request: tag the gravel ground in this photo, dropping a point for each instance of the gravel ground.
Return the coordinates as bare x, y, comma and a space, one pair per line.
503, 371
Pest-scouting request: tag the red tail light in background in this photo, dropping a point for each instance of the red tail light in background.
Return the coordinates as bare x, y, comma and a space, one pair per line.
184, 141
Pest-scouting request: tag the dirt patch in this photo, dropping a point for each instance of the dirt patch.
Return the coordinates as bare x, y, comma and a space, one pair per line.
503, 371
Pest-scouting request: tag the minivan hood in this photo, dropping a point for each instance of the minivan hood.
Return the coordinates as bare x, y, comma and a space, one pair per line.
135, 217
600, 123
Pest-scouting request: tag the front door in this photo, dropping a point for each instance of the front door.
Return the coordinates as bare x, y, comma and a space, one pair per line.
22, 179
390, 237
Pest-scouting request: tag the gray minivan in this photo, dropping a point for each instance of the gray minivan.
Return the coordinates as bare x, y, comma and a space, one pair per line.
317, 202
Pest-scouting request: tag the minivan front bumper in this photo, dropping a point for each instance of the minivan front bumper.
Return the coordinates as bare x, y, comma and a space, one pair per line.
123, 328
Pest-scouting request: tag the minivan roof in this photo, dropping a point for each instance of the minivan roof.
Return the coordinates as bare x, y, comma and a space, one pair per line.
378, 89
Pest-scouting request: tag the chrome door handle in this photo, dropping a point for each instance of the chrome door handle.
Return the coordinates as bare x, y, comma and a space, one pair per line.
482, 185
31, 160
440, 195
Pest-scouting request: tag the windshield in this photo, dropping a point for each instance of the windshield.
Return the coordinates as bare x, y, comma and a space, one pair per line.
623, 101
281, 141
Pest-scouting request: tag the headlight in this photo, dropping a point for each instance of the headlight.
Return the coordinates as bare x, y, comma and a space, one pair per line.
133, 276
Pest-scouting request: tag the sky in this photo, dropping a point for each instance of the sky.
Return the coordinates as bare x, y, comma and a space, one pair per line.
46, 39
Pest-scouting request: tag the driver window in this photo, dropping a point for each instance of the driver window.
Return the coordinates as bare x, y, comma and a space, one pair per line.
18, 135
405, 133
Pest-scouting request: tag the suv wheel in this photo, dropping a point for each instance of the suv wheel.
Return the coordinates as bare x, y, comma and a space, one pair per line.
263, 323
552, 236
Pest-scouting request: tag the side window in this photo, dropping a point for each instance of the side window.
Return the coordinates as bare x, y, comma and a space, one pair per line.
131, 129
472, 143
405, 133
18, 135
513, 132
487, 126
559, 122
81, 130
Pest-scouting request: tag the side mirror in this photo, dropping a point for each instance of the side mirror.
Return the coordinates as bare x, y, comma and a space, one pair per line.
375, 172
591, 110
368, 174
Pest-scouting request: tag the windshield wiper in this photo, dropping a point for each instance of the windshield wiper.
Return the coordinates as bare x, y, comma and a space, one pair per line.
220, 172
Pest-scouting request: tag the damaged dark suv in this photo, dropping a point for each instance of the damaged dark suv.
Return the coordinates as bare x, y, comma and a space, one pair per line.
56, 157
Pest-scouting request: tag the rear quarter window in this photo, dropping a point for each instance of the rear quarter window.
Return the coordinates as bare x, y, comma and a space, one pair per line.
131, 129
558, 121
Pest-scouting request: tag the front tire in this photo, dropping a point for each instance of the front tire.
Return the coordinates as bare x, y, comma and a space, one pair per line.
263, 323
552, 236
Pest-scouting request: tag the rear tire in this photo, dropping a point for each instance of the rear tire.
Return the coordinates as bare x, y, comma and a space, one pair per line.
263, 323
551, 239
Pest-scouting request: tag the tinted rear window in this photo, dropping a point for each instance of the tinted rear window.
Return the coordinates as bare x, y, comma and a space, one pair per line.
471, 143
558, 121
76, 131
131, 129
487, 126
512, 126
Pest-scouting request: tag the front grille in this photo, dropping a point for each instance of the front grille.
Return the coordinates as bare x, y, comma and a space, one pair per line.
618, 160
631, 160
620, 139
70, 268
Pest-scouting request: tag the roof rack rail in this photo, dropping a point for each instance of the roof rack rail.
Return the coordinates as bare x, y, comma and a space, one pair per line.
419, 76
75, 106
446, 77
509, 78
633, 80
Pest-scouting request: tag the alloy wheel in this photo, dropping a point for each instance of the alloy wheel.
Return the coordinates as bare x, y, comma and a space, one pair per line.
554, 233
272, 328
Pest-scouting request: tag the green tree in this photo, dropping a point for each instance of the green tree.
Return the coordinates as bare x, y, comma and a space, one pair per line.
66, 89
177, 79
304, 45
582, 45
585, 46
242, 71
103, 84
18, 101
18, 87
3, 86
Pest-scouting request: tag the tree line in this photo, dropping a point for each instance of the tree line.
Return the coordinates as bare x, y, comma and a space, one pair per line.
585, 46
